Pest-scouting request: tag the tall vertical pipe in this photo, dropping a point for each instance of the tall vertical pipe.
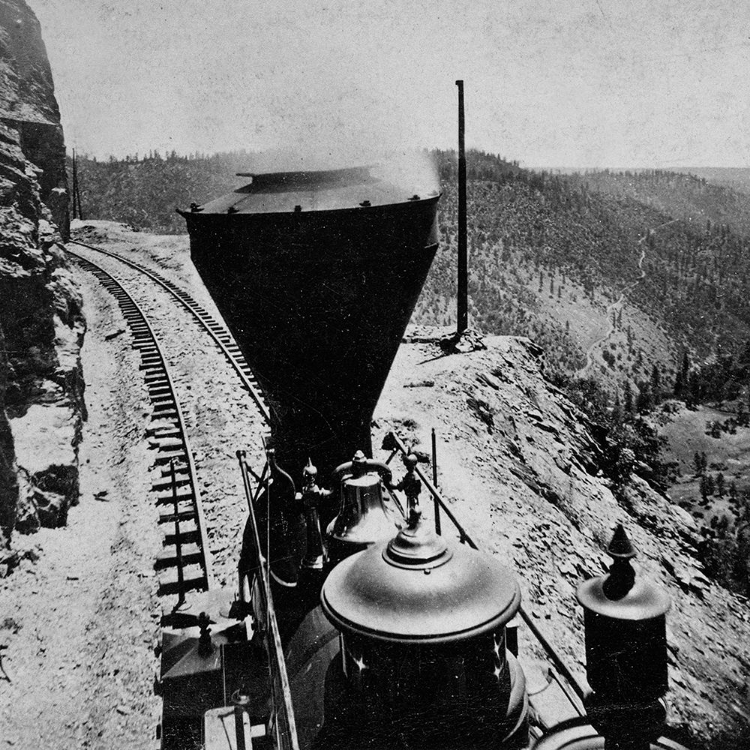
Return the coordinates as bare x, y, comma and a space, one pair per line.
77, 209
462, 314
438, 530
75, 185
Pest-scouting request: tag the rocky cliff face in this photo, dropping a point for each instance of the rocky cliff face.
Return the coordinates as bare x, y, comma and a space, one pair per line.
41, 323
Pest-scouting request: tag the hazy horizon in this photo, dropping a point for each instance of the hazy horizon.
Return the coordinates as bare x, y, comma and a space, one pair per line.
531, 167
587, 83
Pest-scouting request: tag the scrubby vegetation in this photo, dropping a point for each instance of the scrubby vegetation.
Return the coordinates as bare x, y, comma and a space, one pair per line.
144, 191
627, 429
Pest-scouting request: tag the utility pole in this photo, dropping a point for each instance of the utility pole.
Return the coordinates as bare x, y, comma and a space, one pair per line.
462, 312
77, 210
75, 184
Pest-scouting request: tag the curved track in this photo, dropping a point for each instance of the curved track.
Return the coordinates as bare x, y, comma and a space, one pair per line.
185, 563
218, 331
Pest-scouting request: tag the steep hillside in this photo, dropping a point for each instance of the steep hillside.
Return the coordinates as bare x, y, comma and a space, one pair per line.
544, 248
551, 263
689, 197
523, 469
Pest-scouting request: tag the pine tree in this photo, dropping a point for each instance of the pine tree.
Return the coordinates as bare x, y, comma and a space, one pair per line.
704, 487
678, 385
694, 396
685, 369
720, 484
617, 411
698, 464
655, 382
628, 397
644, 400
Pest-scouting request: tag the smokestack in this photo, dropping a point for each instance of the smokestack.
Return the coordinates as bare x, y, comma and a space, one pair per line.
462, 314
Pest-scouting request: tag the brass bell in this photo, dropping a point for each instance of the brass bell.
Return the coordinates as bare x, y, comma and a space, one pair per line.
364, 517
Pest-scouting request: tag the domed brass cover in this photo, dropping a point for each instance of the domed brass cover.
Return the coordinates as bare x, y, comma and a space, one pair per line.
643, 602
418, 587
623, 595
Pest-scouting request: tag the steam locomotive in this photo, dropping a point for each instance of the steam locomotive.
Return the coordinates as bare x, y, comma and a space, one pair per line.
355, 624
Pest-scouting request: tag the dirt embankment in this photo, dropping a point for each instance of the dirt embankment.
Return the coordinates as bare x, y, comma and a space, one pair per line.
80, 616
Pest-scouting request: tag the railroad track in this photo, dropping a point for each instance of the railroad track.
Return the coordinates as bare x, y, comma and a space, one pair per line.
218, 331
184, 565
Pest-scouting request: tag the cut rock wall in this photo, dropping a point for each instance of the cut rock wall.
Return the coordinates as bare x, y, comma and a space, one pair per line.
41, 321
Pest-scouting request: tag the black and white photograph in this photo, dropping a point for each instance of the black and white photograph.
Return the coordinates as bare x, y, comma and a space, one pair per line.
374, 376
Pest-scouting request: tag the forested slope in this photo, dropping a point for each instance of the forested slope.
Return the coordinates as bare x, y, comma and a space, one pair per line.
144, 192
551, 255
692, 198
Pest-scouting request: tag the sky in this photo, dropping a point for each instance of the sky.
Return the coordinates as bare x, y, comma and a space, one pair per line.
550, 83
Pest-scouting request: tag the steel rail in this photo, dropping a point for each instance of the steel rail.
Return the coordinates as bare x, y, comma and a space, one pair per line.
393, 441
174, 454
217, 330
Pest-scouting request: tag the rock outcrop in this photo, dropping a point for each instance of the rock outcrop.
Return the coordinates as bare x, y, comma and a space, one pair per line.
521, 466
41, 322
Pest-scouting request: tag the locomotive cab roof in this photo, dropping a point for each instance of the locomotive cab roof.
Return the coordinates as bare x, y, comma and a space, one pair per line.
314, 190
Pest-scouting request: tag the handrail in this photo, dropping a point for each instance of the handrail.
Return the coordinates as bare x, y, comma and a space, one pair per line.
394, 443
282, 723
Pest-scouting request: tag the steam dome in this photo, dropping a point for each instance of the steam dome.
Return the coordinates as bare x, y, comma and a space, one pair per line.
422, 626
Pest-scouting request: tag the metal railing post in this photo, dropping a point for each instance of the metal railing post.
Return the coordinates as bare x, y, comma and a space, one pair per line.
435, 502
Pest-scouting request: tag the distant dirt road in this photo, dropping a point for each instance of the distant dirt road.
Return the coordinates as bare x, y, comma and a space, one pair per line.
616, 306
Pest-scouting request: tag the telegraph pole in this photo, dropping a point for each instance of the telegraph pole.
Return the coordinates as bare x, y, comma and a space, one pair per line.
462, 312
77, 210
